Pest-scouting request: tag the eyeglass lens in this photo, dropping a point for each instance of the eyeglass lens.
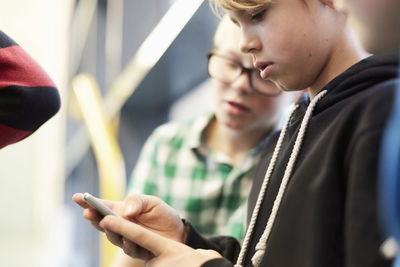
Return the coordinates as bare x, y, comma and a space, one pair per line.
227, 71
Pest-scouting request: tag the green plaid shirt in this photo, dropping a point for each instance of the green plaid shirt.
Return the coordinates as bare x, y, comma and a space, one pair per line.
176, 166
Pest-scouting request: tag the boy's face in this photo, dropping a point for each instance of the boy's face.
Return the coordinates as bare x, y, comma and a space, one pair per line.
377, 23
291, 41
237, 105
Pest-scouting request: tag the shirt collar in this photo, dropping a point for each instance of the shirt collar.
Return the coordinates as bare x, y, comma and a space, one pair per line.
197, 144
195, 137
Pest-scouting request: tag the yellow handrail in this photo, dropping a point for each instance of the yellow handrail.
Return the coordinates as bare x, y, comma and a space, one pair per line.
98, 113
110, 163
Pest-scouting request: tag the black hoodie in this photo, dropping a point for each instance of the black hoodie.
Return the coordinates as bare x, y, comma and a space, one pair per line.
327, 216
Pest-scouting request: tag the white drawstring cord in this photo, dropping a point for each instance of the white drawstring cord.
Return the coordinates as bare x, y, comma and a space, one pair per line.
260, 198
262, 243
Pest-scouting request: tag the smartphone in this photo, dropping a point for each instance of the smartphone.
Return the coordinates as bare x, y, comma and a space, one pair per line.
97, 204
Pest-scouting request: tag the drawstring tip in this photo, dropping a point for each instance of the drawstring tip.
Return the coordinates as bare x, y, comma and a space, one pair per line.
258, 256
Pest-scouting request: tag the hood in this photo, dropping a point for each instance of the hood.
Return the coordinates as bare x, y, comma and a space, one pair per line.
364, 74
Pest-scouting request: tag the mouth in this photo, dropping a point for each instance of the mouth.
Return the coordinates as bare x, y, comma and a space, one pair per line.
265, 68
236, 108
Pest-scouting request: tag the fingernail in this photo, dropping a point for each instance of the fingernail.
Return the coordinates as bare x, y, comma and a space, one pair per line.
129, 210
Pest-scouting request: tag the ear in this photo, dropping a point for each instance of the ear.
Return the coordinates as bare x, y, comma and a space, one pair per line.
329, 3
337, 5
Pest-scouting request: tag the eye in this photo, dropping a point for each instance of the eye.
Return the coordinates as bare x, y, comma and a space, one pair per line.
232, 64
258, 15
234, 21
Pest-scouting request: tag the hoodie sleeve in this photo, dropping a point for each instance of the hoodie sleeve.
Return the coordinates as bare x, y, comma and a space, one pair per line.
363, 231
220, 262
28, 96
227, 246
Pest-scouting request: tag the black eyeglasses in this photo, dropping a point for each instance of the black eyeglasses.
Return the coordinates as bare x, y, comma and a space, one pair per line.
226, 70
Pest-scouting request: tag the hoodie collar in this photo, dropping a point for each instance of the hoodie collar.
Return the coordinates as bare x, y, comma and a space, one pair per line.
364, 74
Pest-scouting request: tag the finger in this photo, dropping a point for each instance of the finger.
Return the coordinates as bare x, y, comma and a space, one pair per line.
136, 204
92, 215
96, 225
153, 242
135, 251
78, 198
129, 247
114, 238
89, 212
209, 253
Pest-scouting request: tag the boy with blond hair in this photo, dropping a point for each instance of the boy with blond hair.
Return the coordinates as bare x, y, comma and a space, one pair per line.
313, 200
204, 166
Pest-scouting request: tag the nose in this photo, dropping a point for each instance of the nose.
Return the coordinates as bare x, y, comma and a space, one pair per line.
243, 83
249, 43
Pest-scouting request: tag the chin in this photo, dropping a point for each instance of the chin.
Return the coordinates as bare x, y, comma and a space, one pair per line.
235, 125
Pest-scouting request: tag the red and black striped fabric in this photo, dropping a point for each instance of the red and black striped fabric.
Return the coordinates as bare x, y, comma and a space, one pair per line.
28, 96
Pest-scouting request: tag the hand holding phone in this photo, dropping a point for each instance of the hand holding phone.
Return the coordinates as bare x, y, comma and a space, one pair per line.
97, 204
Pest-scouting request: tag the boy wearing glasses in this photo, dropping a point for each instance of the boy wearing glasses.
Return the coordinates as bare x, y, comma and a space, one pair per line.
203, 167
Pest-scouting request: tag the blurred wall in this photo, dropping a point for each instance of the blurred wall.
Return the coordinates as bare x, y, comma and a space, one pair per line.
180, 69
40, 225
31, 172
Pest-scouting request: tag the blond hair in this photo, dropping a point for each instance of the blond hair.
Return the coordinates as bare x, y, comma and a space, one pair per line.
236, 5
225, 25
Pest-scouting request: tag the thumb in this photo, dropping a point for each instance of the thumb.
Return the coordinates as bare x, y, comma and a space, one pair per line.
209, 253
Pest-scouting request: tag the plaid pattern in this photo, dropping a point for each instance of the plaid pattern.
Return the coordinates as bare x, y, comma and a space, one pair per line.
201, 184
